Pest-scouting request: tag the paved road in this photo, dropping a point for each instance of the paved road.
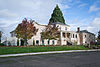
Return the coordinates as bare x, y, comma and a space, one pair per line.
76, 59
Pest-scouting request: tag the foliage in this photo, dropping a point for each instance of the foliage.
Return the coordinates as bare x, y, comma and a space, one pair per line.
26, 30
98, 37
1, 44
14, 50
0, 36
57, 16
51, 32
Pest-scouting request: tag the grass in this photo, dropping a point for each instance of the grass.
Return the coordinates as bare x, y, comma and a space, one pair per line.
15, 50
98, 45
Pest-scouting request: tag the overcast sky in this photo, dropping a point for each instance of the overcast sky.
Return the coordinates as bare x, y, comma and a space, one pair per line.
77, 13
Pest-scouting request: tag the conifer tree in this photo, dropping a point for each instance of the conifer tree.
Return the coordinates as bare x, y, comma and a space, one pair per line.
0, 36
57, 16
98, 35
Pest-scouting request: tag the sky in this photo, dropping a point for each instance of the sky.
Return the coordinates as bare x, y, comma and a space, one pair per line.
77, 13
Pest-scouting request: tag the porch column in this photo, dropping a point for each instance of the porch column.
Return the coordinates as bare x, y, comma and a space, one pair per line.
60, 37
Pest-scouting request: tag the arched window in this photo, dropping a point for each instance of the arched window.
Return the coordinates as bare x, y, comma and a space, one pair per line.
48, 42
37, 42
73, 35
42, 42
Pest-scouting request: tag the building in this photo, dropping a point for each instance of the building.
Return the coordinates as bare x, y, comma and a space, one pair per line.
67, 37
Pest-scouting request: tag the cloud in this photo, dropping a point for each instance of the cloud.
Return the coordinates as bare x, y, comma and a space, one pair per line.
94, 26
78, 23
5, 13
63, 7
6, 23
93, 8
13, 11
82, 5
6, 26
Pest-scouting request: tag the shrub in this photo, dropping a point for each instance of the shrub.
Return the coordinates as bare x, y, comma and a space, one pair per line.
1, 44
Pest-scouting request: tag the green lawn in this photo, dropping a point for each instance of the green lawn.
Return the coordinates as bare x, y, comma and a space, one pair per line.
15, 50
98, 45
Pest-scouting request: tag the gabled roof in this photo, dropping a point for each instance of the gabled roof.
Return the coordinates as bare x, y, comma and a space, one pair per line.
12, 31
85, 31
39, 24
59, 23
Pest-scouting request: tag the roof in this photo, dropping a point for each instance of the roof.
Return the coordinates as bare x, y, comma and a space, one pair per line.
39, 24
59, 23
12, 31
85, 31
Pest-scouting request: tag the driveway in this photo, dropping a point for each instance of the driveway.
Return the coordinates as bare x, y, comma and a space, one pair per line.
75, 59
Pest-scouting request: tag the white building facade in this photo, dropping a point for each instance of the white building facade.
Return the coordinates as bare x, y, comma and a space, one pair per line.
67, 37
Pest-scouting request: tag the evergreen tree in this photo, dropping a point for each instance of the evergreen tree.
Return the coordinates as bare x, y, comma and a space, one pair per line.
98, 35
57, 16
0, 36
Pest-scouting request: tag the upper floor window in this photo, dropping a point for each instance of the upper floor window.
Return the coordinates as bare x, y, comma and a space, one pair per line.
65, 28
85, 36
76, 35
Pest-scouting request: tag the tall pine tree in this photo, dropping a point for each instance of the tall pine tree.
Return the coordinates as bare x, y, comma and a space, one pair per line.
0, 36
98, 35
57, 16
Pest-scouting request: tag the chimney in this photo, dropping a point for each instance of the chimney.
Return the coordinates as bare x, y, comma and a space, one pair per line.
78, 29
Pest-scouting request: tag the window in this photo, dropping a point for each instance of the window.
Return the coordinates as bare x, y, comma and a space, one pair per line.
58, 26
42, 42
53, 42
37, 42
76, 35
68, 35
85, 42
65, 28
73, 35
85, 36
48, 42
64, 35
